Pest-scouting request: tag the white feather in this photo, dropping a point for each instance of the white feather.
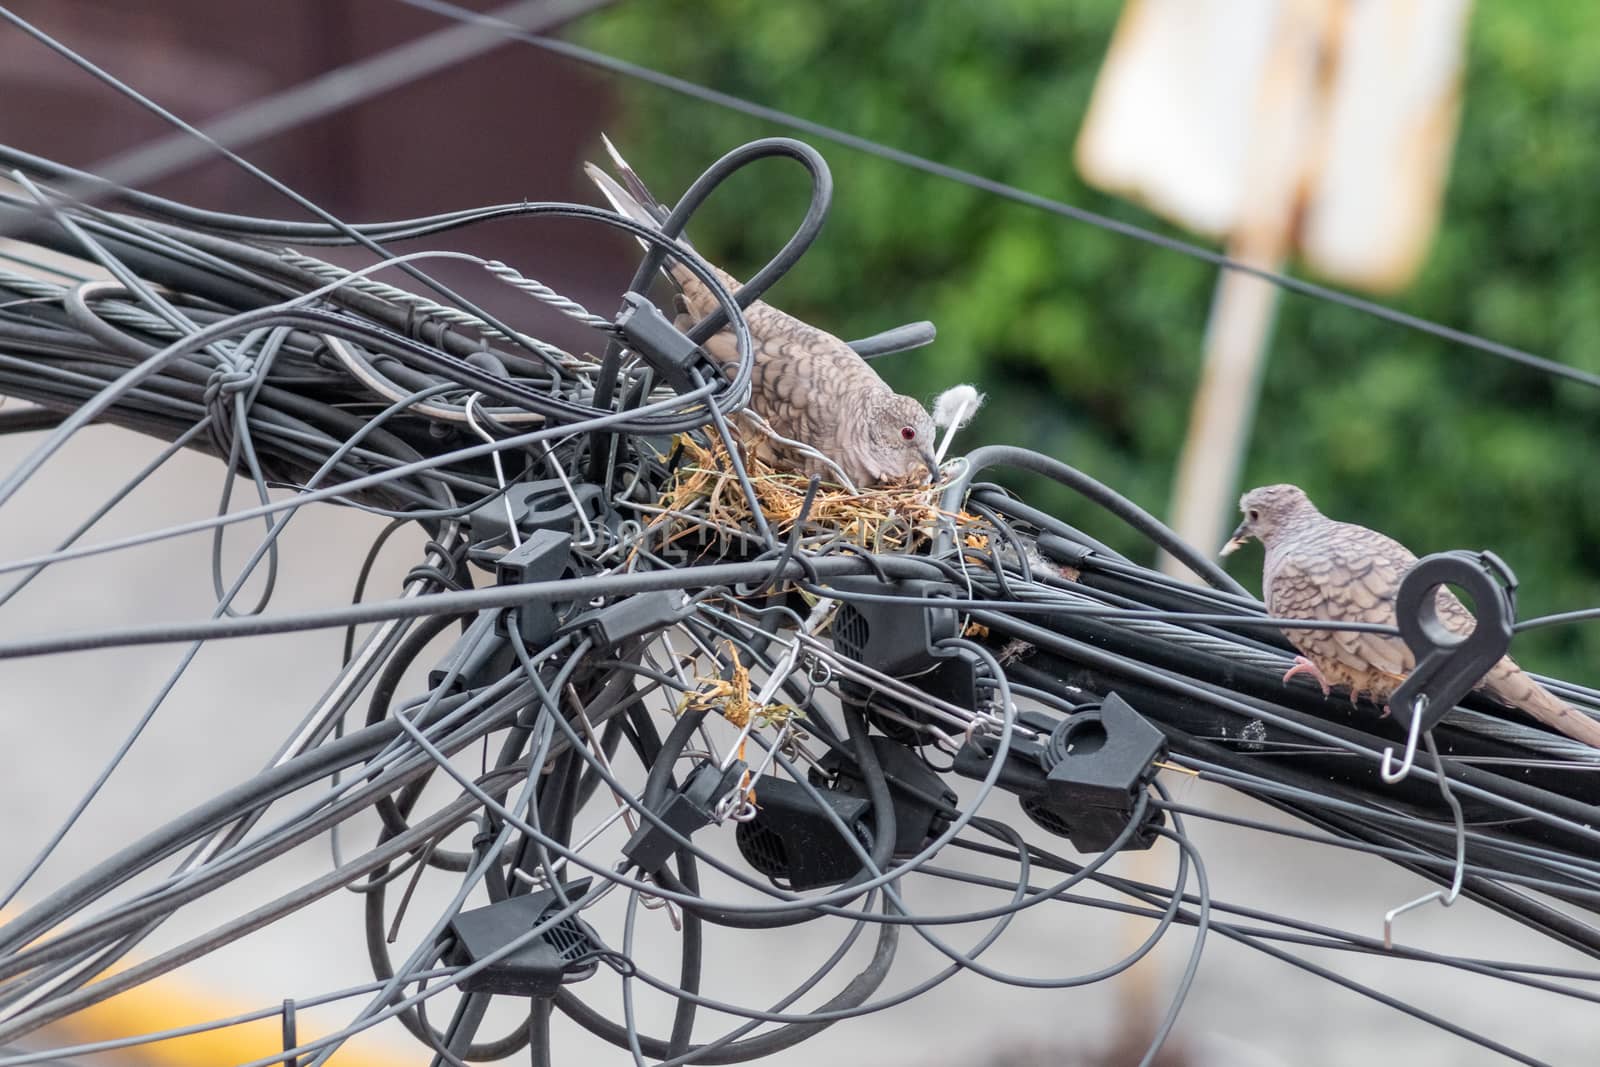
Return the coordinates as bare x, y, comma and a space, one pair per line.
955, 406
952, 410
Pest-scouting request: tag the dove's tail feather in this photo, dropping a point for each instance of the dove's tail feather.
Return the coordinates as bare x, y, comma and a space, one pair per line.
637, 191
1511, 684
633, 199
630, 197
621, 201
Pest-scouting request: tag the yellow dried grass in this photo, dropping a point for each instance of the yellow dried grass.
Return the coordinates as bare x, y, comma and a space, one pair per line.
731, 698
704, 491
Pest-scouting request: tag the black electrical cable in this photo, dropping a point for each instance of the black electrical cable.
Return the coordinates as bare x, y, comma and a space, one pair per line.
457, 602
1114, 502
378, 705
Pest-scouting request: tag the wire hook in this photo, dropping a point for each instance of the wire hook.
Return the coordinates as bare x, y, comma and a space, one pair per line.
1445, 897
1387, 772
499, 470
590, 537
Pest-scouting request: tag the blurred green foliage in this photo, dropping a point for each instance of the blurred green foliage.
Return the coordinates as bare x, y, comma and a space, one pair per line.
1088, 342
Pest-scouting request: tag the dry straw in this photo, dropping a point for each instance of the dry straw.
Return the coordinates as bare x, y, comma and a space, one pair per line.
703, 495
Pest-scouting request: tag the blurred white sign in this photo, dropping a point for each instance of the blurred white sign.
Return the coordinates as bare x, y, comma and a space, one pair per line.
1206, 109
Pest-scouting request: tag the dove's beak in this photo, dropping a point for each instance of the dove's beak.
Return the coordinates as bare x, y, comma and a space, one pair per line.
1237, 541
933, 464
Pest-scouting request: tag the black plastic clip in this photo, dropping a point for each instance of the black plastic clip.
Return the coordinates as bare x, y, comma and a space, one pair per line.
640, 613
542, 505
567, 951
687, 810
478, 658
900, 638
1449, 665
651, 334
794, 843
920, 796
1083, 776
543, 556
481, 658
1098, 763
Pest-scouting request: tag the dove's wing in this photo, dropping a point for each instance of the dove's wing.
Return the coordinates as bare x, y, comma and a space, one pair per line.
1345, 573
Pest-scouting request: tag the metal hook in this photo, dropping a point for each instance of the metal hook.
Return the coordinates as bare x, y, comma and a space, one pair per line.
499, 471
655, 903
590, 537
1445, 897
731, 803
1387, 772
1448, 664
749, 785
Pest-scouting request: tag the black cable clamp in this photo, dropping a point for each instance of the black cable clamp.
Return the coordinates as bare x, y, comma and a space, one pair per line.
794, 843
687, 809
543, 556
1449, 665
900, 638
547, 504
921, 799
479, 659
566, 952
674, 357
632, 616
1083, 776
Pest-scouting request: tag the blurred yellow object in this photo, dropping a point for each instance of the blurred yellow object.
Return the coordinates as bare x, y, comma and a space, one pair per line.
170, 1003
1203, 107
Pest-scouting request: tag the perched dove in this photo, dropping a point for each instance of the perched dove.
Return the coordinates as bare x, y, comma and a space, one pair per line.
1320, 569
808, 385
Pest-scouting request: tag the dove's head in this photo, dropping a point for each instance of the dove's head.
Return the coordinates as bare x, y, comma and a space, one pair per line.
1267, 511
899, 435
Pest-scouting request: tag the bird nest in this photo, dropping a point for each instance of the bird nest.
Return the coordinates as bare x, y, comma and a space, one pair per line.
702, 500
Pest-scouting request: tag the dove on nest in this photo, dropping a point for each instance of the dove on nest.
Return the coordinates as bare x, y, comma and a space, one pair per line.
1317, 568
808, 386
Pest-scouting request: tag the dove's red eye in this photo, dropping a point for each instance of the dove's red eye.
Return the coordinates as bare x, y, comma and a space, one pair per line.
908, 433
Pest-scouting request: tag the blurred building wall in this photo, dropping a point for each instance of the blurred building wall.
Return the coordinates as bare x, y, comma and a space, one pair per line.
449, 141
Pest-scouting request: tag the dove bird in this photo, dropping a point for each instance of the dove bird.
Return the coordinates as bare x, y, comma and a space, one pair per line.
1317, 568
808, 385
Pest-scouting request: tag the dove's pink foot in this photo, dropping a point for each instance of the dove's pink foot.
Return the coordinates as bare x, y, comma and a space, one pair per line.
1305, 666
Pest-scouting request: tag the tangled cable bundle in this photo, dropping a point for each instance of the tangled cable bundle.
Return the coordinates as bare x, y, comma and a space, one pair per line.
737, 696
